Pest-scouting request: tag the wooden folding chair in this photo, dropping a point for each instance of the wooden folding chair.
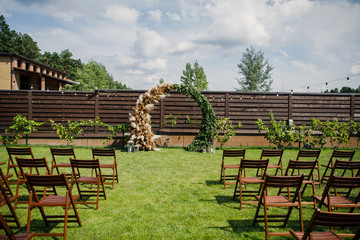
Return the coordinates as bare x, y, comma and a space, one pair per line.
340, 155
61, 154
311, 155
306, 168
77, 178
275, 154
5, 179
241, 179
279, 201
9, 234
336, 200
29, 165
329, 219
233, 156
6, 199
18, 151
106, 155
65, 201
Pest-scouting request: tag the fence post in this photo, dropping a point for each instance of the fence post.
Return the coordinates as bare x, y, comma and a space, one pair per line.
161, 113
352, 107
226, 104
290, 98
96, 110
29, 99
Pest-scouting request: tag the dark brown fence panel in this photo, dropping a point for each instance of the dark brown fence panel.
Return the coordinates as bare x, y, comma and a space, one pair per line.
12, 104
323, 107
113, 107
248, 108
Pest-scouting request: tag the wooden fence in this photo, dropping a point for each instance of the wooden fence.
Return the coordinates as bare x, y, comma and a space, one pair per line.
113, 107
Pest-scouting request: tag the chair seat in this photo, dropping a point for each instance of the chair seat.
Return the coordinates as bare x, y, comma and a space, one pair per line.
63, 164
232, 166
251, 180
273, 165
278, 201
338, 201
52, 200
86, 179
102, 165
329, 235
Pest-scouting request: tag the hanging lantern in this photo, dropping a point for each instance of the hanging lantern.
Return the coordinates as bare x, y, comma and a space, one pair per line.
348, 79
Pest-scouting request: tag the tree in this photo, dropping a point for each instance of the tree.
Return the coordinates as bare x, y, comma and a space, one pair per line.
256, 71
344, 90
195, 76
14, 42
94, 74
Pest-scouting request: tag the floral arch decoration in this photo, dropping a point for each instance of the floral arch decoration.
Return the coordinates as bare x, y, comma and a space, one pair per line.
141, 132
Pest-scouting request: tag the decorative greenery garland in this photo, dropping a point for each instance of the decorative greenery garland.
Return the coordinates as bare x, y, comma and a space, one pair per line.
207, 131
141, 132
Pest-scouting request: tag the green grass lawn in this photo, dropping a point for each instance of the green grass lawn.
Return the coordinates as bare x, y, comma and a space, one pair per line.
171, 194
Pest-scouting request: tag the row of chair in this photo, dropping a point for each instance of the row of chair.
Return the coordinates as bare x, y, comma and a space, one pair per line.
291, 188
277, 155
43, 185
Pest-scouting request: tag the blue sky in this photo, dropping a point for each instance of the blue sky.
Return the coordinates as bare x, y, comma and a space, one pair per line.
308, 42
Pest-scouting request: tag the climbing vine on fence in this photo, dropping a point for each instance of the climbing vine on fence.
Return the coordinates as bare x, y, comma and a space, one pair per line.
141, 132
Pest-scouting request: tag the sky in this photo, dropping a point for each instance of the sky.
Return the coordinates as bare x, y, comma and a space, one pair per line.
308, 42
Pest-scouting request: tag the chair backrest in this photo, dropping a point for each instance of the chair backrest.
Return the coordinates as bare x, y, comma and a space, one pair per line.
269, 153
332, 219
342, 182
85, 163
19, 151
247, 163
62, 152
47, 180
342, 154
234, 153
308, 154
30, 163
103, 153
301, 165
283, 181
346, 165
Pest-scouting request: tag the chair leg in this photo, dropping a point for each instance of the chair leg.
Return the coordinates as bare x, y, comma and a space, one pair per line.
66, 214
29, 213
266, 223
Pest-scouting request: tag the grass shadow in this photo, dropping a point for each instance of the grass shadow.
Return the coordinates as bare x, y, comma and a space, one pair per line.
212, 182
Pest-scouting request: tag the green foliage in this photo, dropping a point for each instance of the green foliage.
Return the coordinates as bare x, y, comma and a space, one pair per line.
94, 74
344, 89
279, 133
302, 135
207, 130
256, 72
173, 120
68, 132
14, 42
19, 127
195, 76
336, 132
225, 130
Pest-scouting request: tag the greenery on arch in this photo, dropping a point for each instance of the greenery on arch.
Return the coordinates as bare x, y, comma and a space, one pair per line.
208, 127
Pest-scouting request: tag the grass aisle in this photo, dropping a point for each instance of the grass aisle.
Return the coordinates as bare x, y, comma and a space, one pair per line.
171, 194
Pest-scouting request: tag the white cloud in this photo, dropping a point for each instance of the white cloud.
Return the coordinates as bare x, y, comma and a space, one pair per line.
173, 16
154, 64
355, 69
121, 14
150, 44
155, 15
